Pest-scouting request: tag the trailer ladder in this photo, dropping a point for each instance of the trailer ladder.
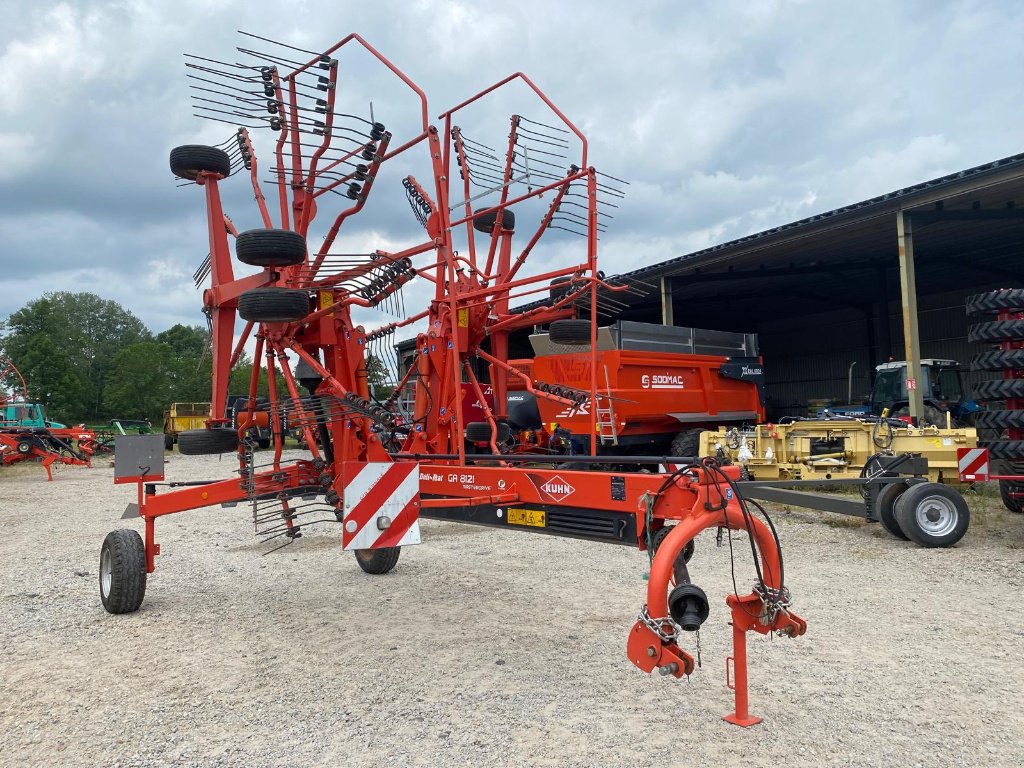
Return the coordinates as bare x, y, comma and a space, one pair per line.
606, 430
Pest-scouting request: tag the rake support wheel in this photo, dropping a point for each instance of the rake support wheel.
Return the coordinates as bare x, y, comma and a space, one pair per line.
933, 515
378, 561
207, 442
885, 505
190, 160
273, 305
485, 223
480, 432
570, 333
270, 248
122, 571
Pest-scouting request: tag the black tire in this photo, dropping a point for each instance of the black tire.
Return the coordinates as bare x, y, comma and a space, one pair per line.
559, 287
999, 420
207, 442
24, 447
1001, 389
931, 415
168, 442
1006, 487
933, 515
480, 432
485, 223
378, 561
686, 444
996, 331
263, 442
273, 305
122, 571
999, 360
1013, 450
885, 507
190, 160
270, 248
572, 333
994, 302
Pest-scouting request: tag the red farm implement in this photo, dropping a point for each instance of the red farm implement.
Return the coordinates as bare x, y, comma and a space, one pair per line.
27, 435
369, 469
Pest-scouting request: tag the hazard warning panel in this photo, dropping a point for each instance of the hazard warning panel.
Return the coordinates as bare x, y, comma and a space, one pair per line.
382, 505
972, 464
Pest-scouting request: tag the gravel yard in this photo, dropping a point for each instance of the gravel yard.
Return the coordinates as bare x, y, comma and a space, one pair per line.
487, 648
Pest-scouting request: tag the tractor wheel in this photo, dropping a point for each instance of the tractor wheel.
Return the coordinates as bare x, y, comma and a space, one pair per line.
273, 305
270, 248
1001, 389
122, 571
192, 159
485, 223
1006, 487
1012, 450
207, 442
480, 432
885, 506
570, 333
999, 420
168, 442
999, 360
378, 561
994, 302
933, 515
679, 571
996, 331
686, 444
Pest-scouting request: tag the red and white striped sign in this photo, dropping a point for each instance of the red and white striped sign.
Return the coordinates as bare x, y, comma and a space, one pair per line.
972, 464
382, 505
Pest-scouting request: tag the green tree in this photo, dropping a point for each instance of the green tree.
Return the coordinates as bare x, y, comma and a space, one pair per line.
140, 381
190, 375
67, 342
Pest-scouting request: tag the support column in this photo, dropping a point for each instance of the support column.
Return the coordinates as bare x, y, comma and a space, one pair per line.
667, 317
908, 290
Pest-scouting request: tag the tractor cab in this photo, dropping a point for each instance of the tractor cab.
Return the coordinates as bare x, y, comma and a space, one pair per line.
22, 414
942, 388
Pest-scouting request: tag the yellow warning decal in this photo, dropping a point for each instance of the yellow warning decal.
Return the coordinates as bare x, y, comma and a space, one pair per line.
326, 299
463, 318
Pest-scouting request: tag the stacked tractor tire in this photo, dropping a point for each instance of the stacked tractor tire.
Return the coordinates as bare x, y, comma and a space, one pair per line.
999, 322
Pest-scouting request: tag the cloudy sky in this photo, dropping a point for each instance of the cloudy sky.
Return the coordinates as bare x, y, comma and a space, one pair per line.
725, 117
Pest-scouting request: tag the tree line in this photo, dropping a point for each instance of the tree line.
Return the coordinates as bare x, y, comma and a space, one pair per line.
88, 359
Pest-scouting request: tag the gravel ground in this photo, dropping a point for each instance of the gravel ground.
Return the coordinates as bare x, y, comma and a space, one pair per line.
488, 649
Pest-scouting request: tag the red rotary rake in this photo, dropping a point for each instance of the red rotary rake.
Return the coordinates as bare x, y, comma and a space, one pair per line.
26, 435
372, 468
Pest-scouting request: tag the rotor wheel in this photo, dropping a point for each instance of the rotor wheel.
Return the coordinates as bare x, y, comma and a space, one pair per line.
885, 505
207, 442
571, 333
378, 561
480, 432
559, 287
273, 305
190, 160
270, 248
122, 571
933, 515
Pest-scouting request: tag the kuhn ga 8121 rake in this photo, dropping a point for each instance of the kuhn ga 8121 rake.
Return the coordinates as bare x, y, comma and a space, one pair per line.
369, 469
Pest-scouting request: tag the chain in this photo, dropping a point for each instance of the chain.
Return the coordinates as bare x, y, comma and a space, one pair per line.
657, 626
697, 634
775, 600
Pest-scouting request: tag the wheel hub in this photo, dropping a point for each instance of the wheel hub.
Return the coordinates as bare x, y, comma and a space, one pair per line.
106, 571
936, 516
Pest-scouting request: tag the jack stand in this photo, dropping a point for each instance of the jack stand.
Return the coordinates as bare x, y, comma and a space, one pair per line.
741, 716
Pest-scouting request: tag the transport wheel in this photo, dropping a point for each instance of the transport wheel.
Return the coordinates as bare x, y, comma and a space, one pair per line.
999, 360
687, 443
679, 571
994, 302
207, 442
273, 305
122, 571
885, 506
485, 223
190, 160
1006, 487
270, 248
378, 561
933, 515
168, 442
480, 432
999, 420
570, 332
1001, 389
996, 331
24, 446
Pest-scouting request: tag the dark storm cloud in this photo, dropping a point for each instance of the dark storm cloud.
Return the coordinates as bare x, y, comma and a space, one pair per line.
727, 117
